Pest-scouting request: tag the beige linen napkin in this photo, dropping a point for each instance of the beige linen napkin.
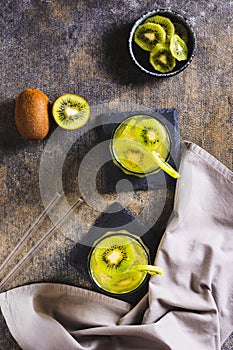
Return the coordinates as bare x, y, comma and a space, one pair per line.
190, 307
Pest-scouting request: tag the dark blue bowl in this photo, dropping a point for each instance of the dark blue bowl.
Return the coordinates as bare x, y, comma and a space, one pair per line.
141, 57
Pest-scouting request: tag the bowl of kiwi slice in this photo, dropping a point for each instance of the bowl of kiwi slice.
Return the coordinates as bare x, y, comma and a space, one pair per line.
162, 43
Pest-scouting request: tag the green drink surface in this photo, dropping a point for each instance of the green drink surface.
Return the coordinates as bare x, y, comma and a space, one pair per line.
112, 273
133, 142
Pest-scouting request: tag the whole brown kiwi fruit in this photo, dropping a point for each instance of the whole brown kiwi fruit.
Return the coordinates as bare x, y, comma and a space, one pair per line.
32, 114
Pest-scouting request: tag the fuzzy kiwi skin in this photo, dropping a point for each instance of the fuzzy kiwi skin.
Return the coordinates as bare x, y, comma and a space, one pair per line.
32, 114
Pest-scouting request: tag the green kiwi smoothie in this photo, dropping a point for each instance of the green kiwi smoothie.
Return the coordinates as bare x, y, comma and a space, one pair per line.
114, 262
139, 145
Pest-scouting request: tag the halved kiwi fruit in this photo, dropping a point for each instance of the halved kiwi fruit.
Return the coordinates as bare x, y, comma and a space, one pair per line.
178, 48
161, 58
165, 23
71, 111
148, 35
181, 31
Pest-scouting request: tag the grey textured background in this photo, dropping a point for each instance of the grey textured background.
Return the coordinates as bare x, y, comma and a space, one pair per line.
81, 47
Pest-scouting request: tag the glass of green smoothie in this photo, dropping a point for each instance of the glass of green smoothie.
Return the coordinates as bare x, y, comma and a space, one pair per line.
141, 146
119, 262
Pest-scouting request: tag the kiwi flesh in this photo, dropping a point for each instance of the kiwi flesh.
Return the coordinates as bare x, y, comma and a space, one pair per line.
148, 35
165, 23
71, 111
113, 255
123, 131
127, 281
164, 165
132, 156
151, 133
178, 48
161, 58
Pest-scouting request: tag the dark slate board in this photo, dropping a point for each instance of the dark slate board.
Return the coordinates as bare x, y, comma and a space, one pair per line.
112, 220
111, 174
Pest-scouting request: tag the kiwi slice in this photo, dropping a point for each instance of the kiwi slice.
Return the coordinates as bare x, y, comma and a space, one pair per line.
148, 35
181, 31
71, 111
151, 269
123, 131
164, 165
132, 156
165, 23
149, 136
161, 58
152, 134
178, 48
112, 255
127, 281
131, 279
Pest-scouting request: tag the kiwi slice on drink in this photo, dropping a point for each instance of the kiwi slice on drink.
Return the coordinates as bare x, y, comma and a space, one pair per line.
152, 134
141, 145
126, 280
112, 255
133, 156
132, 278
148, 35
71, 111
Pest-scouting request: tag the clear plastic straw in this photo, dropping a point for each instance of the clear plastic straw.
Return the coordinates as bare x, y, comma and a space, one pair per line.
30, 253
27, 235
